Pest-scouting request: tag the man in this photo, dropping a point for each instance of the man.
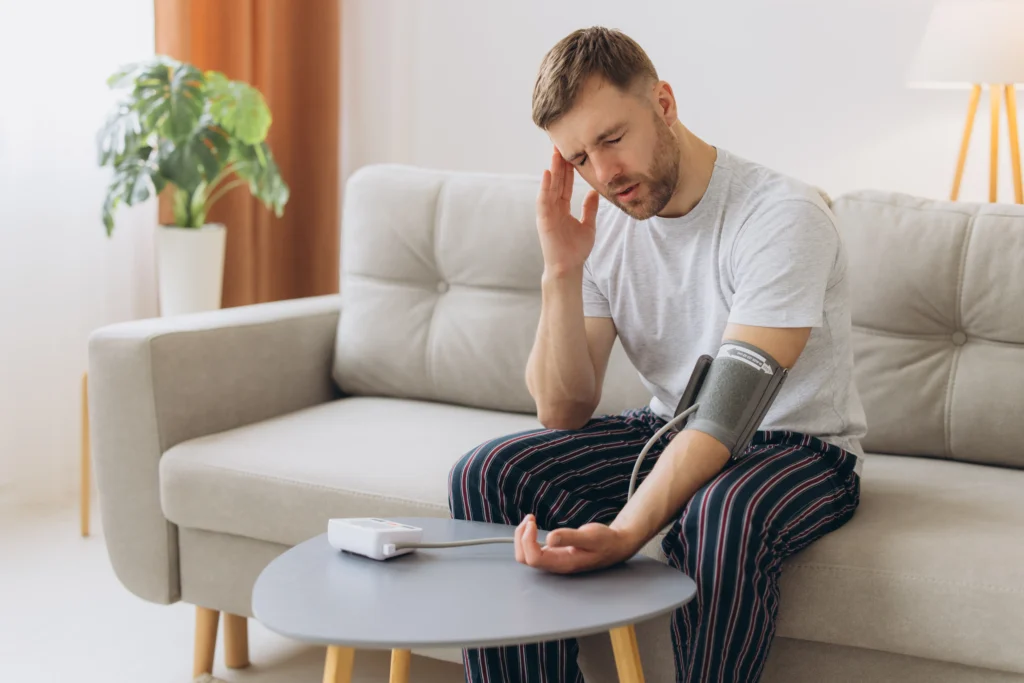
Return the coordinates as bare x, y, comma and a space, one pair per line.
690, 249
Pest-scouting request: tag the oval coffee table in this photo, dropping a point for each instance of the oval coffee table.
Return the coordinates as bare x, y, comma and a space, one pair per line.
476, 596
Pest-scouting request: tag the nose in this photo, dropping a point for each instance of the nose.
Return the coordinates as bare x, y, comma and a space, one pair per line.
605, 169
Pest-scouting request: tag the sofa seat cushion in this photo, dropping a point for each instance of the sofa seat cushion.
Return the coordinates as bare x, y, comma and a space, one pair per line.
282, 479
931, 565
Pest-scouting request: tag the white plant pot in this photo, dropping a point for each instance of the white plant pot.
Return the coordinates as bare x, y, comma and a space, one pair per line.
190, 268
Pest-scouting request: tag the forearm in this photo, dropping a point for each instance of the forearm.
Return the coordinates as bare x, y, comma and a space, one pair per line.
560, 372
689, 462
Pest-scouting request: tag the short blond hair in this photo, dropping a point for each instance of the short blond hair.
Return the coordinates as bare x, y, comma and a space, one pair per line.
595, 51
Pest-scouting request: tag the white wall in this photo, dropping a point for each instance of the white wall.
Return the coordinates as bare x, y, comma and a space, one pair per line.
60, 277
813, 88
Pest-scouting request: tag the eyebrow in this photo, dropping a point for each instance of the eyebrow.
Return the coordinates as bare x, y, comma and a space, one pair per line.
600, 138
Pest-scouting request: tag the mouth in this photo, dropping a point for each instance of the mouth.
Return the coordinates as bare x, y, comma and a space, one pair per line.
628, 194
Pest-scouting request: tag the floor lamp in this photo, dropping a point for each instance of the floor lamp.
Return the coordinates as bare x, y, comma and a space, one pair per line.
967, 44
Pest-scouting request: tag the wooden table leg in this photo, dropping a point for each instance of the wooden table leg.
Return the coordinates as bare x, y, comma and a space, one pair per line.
627, 655
400, 660
339, 664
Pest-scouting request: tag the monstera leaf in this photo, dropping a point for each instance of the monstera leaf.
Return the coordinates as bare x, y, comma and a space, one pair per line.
257, 166
202, 133
135, 180
238, 108
168, 96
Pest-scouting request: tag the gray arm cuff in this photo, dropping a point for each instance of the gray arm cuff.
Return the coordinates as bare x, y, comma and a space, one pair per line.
740, 386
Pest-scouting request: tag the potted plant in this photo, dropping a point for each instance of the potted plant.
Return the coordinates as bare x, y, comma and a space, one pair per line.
202, 134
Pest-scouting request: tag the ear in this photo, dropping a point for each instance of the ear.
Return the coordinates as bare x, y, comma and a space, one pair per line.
665, 102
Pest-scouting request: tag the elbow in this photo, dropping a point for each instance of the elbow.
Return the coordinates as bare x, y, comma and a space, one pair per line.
566, 416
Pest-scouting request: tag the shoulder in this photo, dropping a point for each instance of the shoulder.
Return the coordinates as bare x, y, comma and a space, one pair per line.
788, 231
785, 223
779, 207
792, 216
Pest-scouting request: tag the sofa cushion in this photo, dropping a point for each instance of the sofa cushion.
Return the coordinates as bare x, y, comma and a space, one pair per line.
281, 480
931, 565
938, 324
441, 291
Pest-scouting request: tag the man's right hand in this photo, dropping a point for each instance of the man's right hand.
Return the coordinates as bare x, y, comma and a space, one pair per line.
565, 241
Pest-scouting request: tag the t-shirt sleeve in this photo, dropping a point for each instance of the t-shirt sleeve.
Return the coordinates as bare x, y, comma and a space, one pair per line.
595, 304
782, 261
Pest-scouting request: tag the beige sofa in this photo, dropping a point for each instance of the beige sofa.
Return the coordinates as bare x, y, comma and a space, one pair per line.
221, 439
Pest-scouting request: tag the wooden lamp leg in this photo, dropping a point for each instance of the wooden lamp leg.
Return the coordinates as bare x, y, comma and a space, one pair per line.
400, 661
236, 641
627, 655
994, 93
86, 460
972, 109
206, 640
1011, 116
339, 664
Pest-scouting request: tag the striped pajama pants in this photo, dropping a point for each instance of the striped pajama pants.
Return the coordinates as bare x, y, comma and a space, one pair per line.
731, 538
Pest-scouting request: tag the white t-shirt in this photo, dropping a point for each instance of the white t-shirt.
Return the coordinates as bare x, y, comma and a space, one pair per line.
759, 248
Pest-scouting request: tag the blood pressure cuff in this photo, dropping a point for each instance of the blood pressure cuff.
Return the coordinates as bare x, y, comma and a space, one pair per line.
733, 392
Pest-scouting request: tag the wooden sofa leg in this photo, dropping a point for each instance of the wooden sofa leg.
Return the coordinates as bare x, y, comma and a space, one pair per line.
206, 640
236, 641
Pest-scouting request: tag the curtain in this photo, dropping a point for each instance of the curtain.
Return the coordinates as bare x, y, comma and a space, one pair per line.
291, 52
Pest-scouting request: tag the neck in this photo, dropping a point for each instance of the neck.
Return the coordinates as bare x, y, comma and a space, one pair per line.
696, 164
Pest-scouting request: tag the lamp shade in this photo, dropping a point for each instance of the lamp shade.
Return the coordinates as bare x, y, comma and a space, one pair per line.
972, 41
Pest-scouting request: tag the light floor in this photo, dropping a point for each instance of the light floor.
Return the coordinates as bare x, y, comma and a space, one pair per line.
65, 617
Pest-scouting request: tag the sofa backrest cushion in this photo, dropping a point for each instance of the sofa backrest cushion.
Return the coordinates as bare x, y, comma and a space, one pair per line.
440, 288
440, 285
938, 312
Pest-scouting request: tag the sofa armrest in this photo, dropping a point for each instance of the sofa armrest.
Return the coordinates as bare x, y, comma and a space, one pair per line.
155, 383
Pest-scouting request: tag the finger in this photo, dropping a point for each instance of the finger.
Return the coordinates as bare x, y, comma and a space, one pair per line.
537, 556
557, 172
590, 204
575, 538
557, 538
531, 550
545, 182
558, 560
561, 560
520, 557
544, 195
570, 175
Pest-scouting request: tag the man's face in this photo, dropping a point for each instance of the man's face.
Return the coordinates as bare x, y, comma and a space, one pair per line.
621, 147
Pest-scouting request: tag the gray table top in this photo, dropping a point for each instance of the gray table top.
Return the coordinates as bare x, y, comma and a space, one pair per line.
476, 596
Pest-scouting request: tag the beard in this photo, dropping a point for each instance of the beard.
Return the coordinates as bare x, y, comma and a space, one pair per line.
659, 182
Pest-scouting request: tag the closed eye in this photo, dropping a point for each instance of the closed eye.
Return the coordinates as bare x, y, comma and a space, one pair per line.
583, 160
